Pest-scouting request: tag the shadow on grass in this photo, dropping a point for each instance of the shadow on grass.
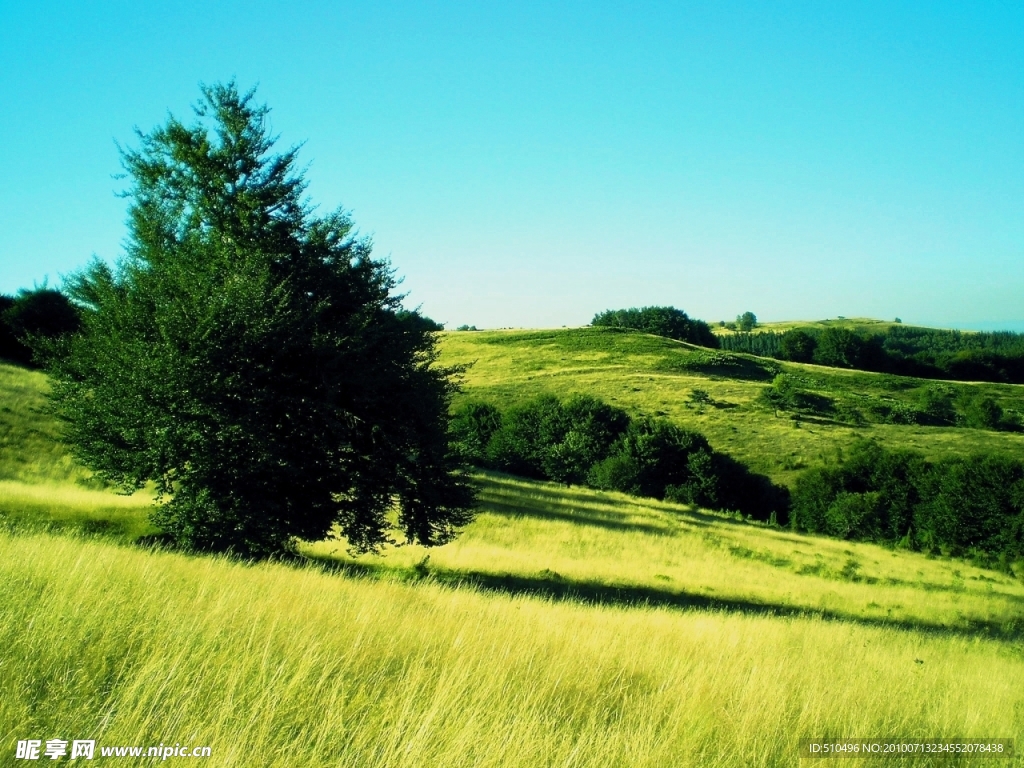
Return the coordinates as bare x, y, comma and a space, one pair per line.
552, 586
549, 585
572, 515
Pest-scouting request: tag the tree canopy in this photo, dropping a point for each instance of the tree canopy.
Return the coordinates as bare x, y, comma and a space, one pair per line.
661, 321
32, 321
252, 359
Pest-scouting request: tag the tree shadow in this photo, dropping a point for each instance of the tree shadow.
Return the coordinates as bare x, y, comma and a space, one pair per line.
573, 516
552, 586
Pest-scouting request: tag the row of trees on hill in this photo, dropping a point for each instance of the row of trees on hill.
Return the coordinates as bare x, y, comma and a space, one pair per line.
921, 352
587, 442
669, 322
961, 506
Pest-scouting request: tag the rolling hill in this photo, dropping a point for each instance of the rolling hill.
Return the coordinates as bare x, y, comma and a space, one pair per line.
564, 626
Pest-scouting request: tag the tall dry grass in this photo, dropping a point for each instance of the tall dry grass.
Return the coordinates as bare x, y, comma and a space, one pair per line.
277, 666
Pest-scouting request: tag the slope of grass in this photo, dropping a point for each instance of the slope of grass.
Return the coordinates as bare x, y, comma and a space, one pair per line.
545, 539
563, 627
30, 447
644, 373
41, 485
275, 666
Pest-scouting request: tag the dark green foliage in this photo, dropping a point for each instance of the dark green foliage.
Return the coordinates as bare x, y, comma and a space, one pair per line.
417, 321
970, 503
472, 427
935, 406
746, 322
798, 346
839, 348
699, 398
32, 323
11, 348
981, 412
251, 359
559, 441
920, 352
669, 322
780, 395
583, 440
661, 455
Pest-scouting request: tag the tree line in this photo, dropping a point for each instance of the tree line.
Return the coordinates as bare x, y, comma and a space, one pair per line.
669, 322
583, 441
900, 350
970, 505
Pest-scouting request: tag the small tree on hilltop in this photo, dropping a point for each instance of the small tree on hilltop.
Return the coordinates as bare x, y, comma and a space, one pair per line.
251, 359
746, 322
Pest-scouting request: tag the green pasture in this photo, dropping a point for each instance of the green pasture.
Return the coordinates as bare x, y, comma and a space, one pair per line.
274, 665
563, 627
653, 375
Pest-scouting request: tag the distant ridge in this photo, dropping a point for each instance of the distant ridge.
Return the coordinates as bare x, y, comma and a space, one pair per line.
1016, 326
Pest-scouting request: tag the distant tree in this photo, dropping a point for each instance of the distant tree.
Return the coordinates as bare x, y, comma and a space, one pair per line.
560, 441
472, 426
746, 322
782, 394
935, 406
982, 412
669, 322
838, 347
11, 348
653, 454
798, 346
420, 322
700, 398
251, 359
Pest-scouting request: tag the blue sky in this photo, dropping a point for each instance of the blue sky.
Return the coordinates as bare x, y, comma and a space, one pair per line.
530, 164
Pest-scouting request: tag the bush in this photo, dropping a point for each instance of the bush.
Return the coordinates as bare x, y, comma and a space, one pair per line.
798, 346
982, 412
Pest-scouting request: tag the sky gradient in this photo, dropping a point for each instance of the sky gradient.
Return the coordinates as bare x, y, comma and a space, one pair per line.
530, 164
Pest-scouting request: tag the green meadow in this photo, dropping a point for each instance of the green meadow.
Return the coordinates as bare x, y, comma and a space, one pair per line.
563, 627
649, 374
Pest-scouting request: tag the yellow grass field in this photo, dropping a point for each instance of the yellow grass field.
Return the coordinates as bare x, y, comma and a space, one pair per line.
563, 627
276, 666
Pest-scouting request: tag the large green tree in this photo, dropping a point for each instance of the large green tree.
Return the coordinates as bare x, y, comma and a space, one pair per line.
251, 358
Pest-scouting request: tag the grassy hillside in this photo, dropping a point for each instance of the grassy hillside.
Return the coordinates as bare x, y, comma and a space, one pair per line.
552, 541
275, 666
643, 373
41, 486
563, 627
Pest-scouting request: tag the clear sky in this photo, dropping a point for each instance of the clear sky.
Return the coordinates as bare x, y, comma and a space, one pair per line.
529, 164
